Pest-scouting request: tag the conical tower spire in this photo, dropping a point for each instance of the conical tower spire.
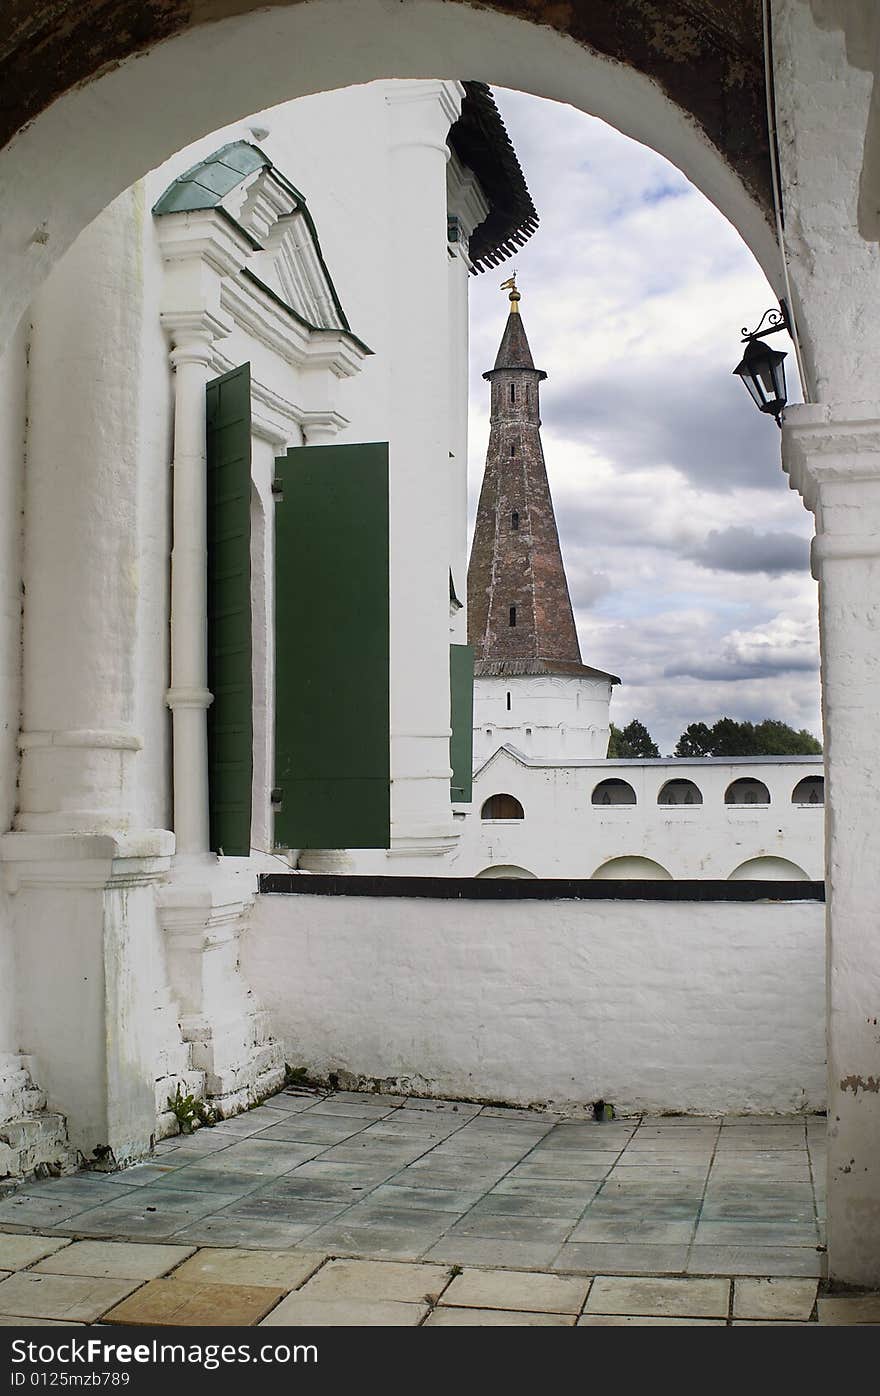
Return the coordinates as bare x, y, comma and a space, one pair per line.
518, 600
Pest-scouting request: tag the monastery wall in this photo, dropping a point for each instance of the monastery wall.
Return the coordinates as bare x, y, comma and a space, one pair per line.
563, 833
678, 1006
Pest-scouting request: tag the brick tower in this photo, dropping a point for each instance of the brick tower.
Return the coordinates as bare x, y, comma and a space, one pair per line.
532, 689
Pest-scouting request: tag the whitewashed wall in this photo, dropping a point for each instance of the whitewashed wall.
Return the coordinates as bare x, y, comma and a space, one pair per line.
563, 834
680, 1006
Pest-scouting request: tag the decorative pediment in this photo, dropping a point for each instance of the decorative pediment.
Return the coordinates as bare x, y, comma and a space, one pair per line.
281, 253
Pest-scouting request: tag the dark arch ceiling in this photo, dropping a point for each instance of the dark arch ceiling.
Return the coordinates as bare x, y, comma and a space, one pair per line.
706, 54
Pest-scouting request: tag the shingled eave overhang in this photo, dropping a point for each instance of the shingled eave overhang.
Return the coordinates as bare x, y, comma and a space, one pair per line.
532, 667
479, 138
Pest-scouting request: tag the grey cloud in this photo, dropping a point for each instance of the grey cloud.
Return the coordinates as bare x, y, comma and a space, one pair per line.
742, 549
687, 416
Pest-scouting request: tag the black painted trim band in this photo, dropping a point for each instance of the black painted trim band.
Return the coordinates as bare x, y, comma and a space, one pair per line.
539, 889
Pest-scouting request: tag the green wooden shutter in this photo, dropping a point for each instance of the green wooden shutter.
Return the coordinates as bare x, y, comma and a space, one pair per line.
332, 745
461, 743
230, 716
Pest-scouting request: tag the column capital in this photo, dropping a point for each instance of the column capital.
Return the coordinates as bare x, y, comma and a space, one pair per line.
422, 113
831, 454
824, 443
192, 334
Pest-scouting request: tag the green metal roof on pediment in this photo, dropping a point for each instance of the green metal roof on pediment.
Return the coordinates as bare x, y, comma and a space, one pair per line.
206, 184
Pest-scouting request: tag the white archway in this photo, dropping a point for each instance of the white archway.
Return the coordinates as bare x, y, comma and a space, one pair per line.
631, 867
98, 139
768, 869
510, 870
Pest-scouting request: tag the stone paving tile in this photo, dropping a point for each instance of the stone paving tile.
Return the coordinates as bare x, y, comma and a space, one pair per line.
17, 1251
364, 1109
621, 1258
506, 1228
79, 1297
114, 1260
507, 1205
645, 1321
296, 1100
509, 1112
429, 1199
746, 1167
142, 1174
251, 1122
89, 1189
195, 1304
518, 1290
298, 1310
756, 1260
260, 1156
301, 1212
840, 1309
629, 1172
765, 1121
463, 1110
487, 1251
203, 1141
40, 1211
564, 1189
660, 1298
343, 1183
241, 1233
195, 1178
359, 1150
277, 1269
496, 1318
15, 1321
756, 1233
299, 1129
570, 1169
635, 1230
377, 1279
154, 1218
778, 1299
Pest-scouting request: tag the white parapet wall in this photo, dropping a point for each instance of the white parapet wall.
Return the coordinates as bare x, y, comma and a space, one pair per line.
662, 1005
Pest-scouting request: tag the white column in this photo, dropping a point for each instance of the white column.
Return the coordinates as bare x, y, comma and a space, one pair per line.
420, 114
80, 593
833, 458
188, 697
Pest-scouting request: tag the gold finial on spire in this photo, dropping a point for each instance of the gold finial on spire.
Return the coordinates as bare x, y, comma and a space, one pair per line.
515, 297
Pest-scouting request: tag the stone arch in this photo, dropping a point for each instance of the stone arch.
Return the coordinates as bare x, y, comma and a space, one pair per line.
680, 792
768, 869
747, 791
509, 870
502, 806
83, 121
613, 791
809, 791
631, 867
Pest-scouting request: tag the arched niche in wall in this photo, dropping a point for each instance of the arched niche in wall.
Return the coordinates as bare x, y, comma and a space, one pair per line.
502, 807
747, 791
680, 792
809, 791
768, 869
613, 792
632, 867
505, 870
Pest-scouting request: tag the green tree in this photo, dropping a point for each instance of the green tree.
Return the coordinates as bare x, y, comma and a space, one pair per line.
695, 740
727, 737
631, 743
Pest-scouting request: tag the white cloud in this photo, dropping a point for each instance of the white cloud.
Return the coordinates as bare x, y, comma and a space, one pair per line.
685, 549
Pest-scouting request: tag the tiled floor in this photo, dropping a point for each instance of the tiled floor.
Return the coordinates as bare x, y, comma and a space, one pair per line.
496, 1191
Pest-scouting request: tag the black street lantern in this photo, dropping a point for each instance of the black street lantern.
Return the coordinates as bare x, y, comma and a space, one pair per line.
761, 368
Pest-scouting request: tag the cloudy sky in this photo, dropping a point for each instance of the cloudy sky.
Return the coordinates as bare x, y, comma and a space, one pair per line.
687, 554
